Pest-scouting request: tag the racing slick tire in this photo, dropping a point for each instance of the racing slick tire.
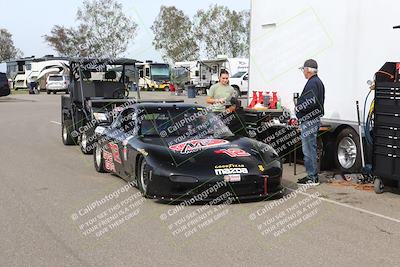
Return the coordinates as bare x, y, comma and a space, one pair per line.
66, 135
98, 159
144, 174
84, 143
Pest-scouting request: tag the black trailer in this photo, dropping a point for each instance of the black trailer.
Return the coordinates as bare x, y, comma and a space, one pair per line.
97, 92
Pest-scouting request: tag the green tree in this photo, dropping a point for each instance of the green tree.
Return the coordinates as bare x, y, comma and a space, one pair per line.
68, 41
7, 48
174, 36
223, 31
103, 31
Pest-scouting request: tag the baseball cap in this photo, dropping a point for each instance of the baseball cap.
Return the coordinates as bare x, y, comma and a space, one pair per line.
310, 63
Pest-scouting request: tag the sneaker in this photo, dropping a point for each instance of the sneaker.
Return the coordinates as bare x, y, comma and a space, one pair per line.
313, 182
309, 181
303, 180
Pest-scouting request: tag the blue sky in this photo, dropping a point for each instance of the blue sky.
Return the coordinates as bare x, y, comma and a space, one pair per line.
36, 18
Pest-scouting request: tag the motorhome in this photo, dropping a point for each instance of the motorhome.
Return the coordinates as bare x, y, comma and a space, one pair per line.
154, 75
350, 40
23, 70
16, 70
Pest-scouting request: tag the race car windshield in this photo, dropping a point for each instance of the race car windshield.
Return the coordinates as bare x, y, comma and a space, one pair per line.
188, 124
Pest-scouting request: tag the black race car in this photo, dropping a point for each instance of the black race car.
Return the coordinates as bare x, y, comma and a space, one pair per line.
178, 151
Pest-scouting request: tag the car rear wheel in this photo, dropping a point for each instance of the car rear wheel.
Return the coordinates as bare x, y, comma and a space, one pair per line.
48, 92
348, 151
144, 176
66, 129
98, 158
55, 92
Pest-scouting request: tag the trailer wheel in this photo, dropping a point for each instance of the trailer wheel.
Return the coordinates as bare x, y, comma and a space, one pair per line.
348, 151
66, 129
378, 186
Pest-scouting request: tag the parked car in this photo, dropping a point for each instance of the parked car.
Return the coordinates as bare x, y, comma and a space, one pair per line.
4, 87
175, 151
57, 83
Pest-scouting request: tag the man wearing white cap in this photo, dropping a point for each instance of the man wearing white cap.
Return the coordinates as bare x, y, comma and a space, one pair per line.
309, 110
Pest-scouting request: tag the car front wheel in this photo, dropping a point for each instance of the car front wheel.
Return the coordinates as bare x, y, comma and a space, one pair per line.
144, 176
98, 159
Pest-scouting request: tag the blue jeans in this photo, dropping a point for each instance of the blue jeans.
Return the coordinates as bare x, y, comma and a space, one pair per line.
309, 132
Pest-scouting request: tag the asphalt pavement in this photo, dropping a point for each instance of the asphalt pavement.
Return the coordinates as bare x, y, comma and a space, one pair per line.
56, 210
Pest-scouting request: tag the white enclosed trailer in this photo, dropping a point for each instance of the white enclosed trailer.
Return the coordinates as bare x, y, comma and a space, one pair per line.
350, 40
188, 71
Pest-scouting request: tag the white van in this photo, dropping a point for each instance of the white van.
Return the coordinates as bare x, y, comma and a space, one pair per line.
240, 81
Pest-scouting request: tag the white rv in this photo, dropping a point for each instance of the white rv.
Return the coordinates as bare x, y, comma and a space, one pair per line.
187, 72
22, 71
154, 75
204, 73
350, 40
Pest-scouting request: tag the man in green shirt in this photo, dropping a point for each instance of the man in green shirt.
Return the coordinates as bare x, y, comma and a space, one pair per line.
221, 93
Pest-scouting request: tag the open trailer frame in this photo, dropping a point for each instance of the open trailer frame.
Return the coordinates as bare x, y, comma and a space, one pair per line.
93, 100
